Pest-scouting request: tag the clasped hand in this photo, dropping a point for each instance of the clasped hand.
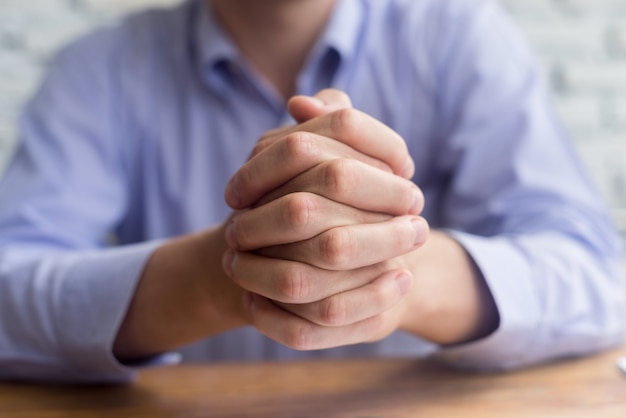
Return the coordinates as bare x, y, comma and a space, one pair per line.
324, 214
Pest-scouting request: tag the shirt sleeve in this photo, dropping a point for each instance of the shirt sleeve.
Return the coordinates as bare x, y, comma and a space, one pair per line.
63, 294
519, 201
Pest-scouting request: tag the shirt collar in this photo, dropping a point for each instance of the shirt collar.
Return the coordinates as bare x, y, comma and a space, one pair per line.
211, 43
213, 46
344, 28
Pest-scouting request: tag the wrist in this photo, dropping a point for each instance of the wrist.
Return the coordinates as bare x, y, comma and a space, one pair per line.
223, 301
182, 296
450, 302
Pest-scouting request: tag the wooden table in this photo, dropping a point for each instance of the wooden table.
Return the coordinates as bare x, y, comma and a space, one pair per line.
592, 388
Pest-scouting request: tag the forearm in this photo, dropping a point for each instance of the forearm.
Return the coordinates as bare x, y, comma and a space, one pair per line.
182, 296
449, 302
60, 311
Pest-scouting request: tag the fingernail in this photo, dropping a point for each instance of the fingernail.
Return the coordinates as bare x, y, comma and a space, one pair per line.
404, 282
418, 202
248, 300
232, 193
230, 234
420, 229
409, 168
228, 261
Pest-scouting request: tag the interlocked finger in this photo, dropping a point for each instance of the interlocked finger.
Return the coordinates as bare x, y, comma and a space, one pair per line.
354, 246
356, 305
294, 217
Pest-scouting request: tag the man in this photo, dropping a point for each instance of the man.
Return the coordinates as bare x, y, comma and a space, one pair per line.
325, 250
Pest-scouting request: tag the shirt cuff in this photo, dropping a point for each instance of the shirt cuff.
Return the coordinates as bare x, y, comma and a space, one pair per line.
97, 292
506, 271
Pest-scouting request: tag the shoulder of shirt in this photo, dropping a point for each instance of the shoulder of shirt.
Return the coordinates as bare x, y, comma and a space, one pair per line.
437, 23
432, 22
140, 33
453, 9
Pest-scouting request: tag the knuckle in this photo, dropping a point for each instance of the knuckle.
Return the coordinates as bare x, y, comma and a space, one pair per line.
299, 336
292, 285
298, 145
339, 176
333, 312
337, 247
382, 295
346, 120
299, 210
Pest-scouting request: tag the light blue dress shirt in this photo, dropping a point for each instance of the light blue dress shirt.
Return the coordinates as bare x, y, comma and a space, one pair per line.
137, 129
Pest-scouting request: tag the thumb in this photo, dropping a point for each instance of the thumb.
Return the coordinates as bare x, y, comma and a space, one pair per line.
303, 108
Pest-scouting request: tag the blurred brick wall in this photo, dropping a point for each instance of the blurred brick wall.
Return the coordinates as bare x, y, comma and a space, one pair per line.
582, 44
30, 32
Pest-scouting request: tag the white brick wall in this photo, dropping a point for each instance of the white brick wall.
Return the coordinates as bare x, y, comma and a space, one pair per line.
582, 44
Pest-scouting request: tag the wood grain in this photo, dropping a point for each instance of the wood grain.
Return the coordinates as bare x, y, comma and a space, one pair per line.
589, 387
